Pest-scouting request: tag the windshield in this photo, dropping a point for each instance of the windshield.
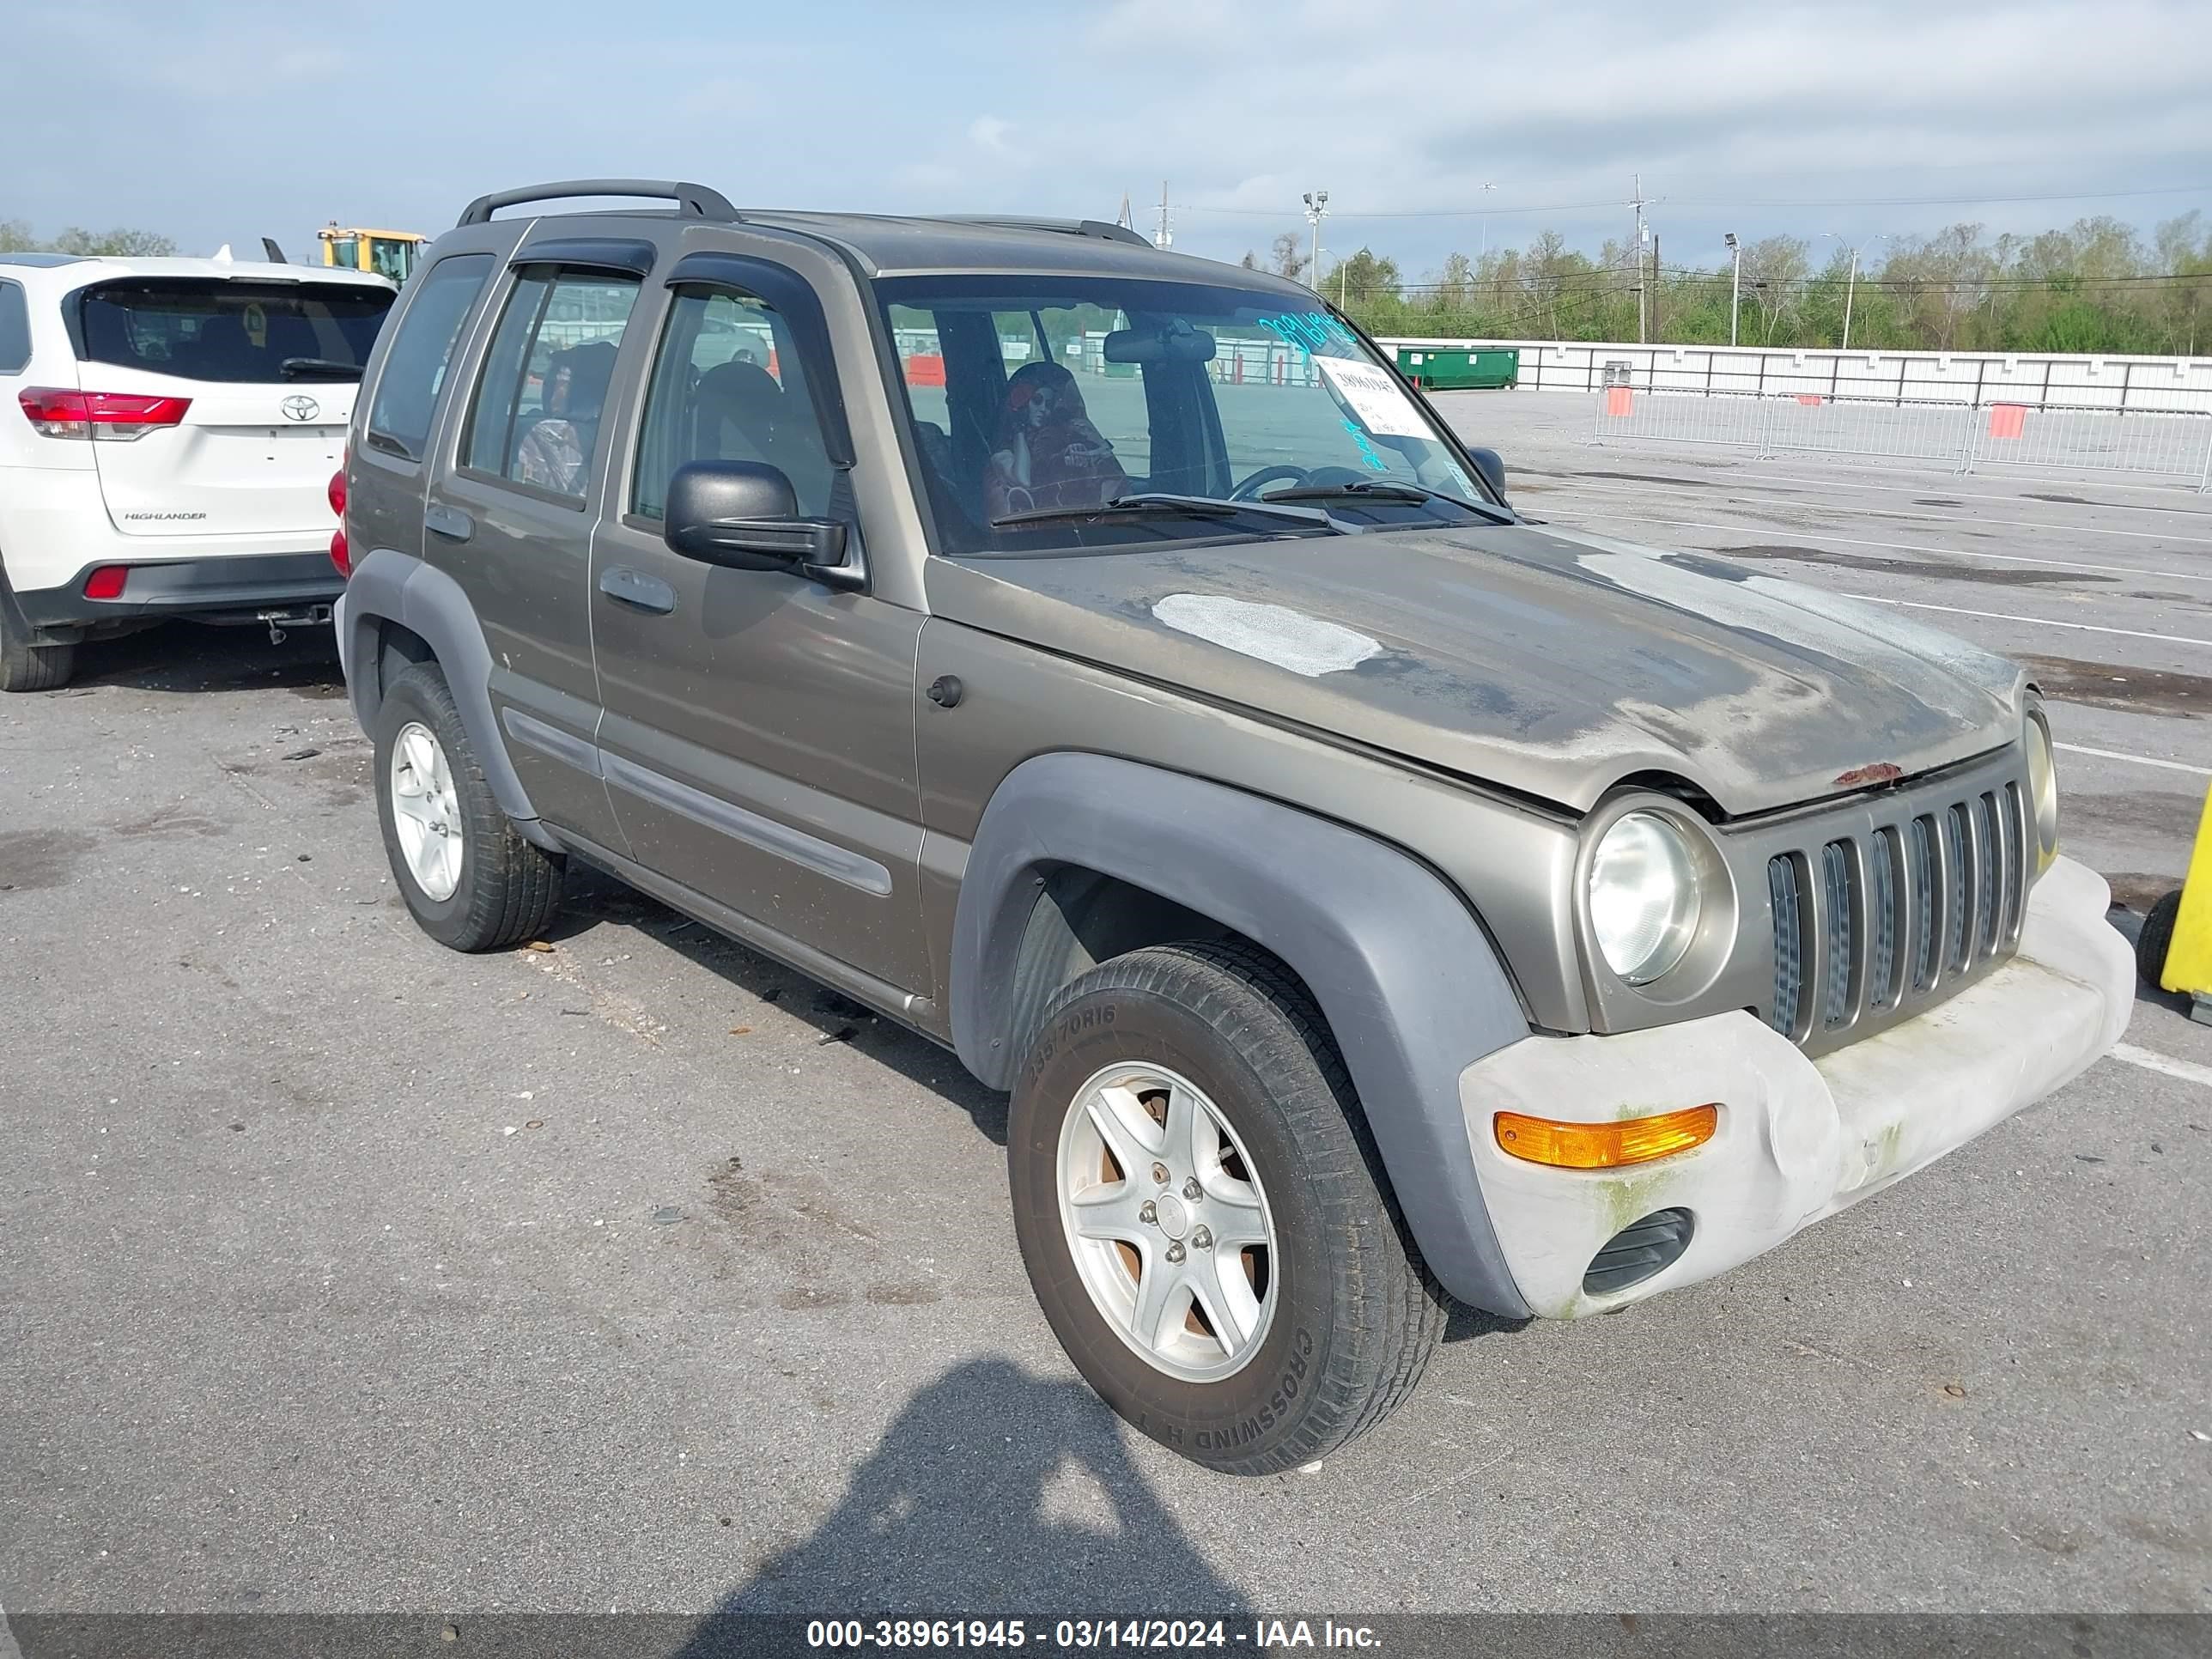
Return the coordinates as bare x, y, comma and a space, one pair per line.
218, 329
1038, 401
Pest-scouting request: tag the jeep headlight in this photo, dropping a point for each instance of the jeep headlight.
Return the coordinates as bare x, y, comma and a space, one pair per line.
2043, 791
1644, 898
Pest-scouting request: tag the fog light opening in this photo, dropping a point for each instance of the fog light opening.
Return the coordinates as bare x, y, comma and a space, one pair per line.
1638, 1250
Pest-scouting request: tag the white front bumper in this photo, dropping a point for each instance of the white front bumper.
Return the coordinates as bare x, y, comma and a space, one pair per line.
1797, 1138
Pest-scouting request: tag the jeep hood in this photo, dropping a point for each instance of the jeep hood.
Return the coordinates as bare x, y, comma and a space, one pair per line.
1544, 661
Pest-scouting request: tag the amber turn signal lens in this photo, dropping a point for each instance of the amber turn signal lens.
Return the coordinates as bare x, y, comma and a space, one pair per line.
1604, 1145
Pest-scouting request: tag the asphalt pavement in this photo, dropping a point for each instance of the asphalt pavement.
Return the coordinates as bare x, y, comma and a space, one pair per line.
342, 1273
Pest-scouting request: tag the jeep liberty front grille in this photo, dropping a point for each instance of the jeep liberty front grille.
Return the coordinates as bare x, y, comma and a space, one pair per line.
1881, 925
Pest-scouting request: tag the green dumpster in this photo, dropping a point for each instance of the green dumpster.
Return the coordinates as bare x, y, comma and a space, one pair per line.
1460, 368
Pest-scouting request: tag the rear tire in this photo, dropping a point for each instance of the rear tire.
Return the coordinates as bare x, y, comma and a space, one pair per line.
1341, 1316
25, 666
470, 880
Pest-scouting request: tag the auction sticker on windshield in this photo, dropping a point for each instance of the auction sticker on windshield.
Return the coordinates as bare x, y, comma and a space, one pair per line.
1382, 406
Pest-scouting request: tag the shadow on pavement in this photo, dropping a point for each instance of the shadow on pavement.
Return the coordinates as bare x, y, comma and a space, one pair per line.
952, 1512
593, 899
183, 657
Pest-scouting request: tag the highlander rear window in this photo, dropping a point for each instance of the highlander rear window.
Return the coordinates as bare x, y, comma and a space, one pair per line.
213, 329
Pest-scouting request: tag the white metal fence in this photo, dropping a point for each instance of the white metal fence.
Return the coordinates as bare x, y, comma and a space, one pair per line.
2162, 445
2041, 380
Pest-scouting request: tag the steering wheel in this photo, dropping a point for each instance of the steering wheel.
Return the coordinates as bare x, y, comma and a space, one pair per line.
1250, 489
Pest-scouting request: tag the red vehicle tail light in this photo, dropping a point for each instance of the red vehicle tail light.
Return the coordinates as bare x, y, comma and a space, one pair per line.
114, 417
340, 555
107, 582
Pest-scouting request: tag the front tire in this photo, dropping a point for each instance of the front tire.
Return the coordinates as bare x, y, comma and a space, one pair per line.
1259, 1305
470, 881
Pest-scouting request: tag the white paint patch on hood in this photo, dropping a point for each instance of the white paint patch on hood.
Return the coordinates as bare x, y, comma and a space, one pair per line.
1272, 633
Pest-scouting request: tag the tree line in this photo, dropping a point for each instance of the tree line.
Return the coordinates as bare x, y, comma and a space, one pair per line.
16, 237
2098, 285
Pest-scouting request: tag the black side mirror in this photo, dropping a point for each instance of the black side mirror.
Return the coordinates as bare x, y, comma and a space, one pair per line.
744, 515
1492, 465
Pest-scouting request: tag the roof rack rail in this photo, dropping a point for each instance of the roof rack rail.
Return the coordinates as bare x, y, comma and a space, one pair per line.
697, 200
1096, 228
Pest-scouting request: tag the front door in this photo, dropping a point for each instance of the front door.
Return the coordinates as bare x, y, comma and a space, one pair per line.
758, 735
512, 524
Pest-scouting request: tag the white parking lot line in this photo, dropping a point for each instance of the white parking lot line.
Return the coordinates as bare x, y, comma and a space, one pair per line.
2187, 1070
1897, 547
2140, 760
2041, 622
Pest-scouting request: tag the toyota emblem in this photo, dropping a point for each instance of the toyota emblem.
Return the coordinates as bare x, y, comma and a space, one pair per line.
301, 409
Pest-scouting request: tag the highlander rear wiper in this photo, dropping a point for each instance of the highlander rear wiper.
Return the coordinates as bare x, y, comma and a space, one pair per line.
317, 368
1161, 504
1380, 490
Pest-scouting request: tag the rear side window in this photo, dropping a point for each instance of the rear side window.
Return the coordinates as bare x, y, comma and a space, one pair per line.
538, 401
15, 329
232, 332
415, 368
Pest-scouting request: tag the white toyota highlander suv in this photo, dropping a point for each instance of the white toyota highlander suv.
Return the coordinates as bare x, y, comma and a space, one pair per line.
168, 428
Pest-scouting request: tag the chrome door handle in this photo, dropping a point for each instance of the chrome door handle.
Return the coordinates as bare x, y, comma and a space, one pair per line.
448, 521
637, 589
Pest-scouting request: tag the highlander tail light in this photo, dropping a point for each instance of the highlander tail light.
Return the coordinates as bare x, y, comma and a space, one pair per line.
115, 416
340, 555
107, 581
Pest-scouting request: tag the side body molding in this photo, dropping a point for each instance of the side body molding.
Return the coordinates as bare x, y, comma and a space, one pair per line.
1411, 987
395, 586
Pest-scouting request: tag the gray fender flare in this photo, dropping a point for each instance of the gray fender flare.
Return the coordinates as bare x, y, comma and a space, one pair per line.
1411, 988
389, 586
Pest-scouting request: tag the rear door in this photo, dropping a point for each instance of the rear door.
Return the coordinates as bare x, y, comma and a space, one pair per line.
511, 519
258, 379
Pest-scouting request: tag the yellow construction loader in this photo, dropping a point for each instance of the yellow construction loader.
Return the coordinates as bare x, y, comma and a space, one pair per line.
387, 252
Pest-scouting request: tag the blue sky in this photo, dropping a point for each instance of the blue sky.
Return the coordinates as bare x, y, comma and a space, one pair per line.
217, 120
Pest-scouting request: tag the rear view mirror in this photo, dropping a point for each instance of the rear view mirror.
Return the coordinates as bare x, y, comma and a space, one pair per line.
1178, 343
744, 515
1492, 465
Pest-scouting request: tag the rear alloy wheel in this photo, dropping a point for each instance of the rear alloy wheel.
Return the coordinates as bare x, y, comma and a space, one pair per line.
1202, 1213
469, 878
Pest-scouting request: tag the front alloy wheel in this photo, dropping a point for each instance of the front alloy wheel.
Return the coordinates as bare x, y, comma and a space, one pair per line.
1203, 1214
1169, 1231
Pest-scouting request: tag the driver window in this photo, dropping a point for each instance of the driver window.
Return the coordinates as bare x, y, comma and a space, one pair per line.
728, 386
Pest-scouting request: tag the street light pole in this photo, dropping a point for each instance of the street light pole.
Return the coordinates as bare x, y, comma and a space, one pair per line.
1735, 283
1317, 211
1487, 189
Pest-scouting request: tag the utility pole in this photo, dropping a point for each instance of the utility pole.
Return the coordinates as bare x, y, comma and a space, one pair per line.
1850, 287
1164, 236
1657, 331
1487, 189
1317, 211
1735, 283
1642, 231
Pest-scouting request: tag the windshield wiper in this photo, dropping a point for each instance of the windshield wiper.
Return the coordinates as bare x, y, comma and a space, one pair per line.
1161, 504
1380, 490
319, 368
